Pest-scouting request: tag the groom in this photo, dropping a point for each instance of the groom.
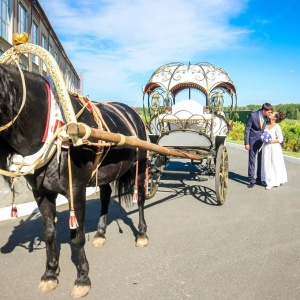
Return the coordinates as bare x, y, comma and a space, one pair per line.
255, 126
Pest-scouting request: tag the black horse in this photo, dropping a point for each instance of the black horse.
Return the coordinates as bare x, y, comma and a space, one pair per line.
118, 165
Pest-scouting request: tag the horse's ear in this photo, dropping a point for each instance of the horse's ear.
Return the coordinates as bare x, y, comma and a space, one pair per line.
18, 39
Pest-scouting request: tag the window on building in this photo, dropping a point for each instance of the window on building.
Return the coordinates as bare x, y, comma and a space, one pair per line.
35, 40
5, 17
23, 19
67, 78
44, 42
23, 67
50, 49
44, 45
56, 56
35, 34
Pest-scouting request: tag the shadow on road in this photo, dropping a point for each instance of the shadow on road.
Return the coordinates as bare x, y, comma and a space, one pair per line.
238, 178
25, 235
28, 232
182, 173
202, 193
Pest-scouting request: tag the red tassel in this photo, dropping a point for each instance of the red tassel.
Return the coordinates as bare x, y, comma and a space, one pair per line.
14, 211
73, 221
135, 195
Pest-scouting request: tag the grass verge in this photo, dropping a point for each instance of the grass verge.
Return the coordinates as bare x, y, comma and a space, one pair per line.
288, 153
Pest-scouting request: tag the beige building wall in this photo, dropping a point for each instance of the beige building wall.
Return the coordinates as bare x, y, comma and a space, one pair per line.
29, 16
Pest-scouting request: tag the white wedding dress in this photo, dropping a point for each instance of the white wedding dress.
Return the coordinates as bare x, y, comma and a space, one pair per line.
273, 166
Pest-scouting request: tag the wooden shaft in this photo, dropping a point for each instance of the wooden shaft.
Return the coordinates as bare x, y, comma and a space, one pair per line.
80, 131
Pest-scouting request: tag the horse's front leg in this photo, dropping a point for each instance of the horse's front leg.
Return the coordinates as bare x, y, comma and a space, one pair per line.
105, 193
47, 207
82, 284
142, 238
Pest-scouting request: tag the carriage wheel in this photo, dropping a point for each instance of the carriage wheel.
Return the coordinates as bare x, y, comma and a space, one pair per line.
156, 164
153, 182
221, 175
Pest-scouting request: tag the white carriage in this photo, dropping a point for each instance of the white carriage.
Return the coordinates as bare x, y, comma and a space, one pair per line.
188, 108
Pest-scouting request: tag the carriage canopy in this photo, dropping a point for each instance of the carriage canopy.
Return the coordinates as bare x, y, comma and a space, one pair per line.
171, 79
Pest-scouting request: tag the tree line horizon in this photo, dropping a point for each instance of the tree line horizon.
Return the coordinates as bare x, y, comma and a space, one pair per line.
292, 110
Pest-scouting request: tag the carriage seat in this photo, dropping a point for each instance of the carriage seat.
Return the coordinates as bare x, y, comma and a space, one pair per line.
190, 115
182, 108
185, 114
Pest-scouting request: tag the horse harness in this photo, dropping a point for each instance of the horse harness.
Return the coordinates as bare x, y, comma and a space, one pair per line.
101, 145
58, 136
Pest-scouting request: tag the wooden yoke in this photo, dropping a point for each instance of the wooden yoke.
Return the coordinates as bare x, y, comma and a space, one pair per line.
81, 130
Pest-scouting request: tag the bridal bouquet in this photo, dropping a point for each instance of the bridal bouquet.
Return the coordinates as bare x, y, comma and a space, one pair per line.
266, 138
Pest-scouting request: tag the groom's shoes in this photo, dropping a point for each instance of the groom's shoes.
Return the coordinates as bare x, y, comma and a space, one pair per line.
262, 183
251, 185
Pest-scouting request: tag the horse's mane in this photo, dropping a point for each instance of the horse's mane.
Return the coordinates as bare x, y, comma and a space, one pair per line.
11, 94
11, 91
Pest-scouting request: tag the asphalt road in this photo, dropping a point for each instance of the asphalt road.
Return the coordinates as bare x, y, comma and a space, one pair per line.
249, 248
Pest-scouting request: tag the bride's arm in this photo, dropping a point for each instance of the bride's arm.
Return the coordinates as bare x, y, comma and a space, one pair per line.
278, 134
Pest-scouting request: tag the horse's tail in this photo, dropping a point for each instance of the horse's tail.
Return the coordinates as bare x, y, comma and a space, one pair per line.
124, 189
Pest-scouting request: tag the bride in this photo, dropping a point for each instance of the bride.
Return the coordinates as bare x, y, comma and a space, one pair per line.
273, 166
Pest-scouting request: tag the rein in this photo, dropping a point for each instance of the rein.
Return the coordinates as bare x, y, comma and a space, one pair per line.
23, 99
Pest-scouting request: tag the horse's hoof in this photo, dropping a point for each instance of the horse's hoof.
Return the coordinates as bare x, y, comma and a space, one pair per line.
47, 286
99, 242
80, 291
141, 242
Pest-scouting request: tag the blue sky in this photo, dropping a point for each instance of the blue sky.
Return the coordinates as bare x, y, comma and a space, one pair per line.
119, 44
